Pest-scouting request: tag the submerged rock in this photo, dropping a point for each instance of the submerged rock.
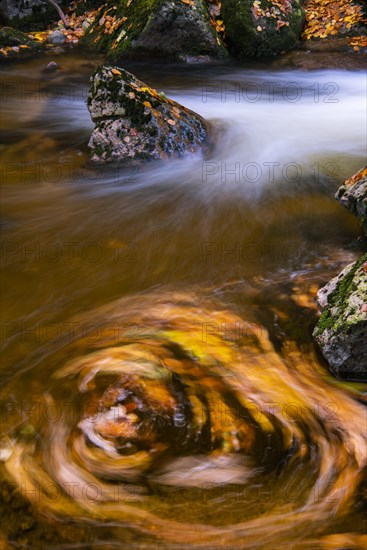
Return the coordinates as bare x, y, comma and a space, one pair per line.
342, 329
353, 195
168, 28
133, 121
51, 67
258, 28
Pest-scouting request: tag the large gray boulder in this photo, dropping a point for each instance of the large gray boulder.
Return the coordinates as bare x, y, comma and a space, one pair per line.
342, 328
174, 29
353, 195
133, 121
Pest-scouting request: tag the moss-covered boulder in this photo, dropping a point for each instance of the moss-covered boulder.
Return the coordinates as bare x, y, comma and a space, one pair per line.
12, 37
262, 27
133, 121
342, 328
155, 28
353, 195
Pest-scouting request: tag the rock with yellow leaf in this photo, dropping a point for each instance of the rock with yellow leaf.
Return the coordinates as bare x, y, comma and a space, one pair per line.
134, 121
173, 29
256, 28
353, 195
10, 37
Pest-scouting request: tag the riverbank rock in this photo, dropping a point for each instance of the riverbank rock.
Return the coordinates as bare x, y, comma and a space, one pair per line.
15, 45
133, 121
353, 195
170, 29
258, 28
332, 52
342, 328
10, 37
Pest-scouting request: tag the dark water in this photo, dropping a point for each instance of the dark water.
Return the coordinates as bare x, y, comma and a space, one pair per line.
160, 383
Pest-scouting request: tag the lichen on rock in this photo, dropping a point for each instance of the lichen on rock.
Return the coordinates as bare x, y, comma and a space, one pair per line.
342, 328
134, 121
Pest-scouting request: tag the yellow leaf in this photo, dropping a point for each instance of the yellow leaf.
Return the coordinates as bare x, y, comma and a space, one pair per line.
116, 71
147, 104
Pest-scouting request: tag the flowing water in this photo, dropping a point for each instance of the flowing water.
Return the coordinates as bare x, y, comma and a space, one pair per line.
160, 385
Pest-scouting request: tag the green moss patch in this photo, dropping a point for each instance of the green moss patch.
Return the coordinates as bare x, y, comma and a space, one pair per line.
340, 299
259, 28
12, 37
128, 20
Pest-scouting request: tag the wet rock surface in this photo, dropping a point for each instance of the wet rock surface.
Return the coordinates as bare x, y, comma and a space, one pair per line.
342, 329
133, 121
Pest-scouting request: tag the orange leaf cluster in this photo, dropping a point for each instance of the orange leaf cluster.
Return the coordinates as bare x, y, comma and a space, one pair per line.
110, 23
215, 21
331, 17
277, 10
75, 21
358, 176
75, 31
358, 42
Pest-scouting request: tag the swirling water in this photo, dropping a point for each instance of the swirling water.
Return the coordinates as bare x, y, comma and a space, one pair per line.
161, 387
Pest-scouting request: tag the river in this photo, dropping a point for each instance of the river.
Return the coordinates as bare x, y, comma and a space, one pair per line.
160, 384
